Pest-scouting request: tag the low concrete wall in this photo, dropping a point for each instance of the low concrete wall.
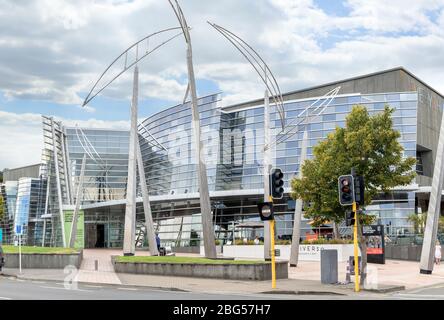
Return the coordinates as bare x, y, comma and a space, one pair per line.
307, 252
43, 261
218, 271
405, 252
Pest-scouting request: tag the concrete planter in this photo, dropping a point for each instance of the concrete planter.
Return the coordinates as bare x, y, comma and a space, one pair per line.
217, 271
311, 252
44, 260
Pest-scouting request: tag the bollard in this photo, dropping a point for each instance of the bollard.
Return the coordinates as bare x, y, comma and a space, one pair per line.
96, 265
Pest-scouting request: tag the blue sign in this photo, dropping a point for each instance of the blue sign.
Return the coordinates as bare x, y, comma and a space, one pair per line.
18, 230
1, 235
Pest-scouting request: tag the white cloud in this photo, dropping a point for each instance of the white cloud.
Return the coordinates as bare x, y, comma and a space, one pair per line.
59, 48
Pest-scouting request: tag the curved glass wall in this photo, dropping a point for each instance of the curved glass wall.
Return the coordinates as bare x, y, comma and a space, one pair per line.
173, 170
234, 146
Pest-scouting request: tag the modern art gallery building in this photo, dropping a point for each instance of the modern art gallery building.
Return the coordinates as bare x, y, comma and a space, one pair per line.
233, 140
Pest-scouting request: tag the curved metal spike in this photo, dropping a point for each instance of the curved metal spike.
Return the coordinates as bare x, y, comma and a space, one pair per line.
90, 95
259, 65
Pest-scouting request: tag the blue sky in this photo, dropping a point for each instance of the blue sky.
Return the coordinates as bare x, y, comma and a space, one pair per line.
49, 61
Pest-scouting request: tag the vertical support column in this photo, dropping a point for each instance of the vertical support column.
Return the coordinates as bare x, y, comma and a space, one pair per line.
65, 164
434, 211
205, 205
59, 189
75, 215
267, 168
294, 254
149, 225
48, 181
129, 245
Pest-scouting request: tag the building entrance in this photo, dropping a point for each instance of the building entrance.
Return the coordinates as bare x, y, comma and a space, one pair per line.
100, 236
95, 235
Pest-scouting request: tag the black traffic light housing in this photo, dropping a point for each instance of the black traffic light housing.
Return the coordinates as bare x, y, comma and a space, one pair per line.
349, 218
277, 183
359, 190
266, 211
346, 190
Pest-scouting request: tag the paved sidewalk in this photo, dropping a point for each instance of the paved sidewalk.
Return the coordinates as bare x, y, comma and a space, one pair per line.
305, 279
393, 272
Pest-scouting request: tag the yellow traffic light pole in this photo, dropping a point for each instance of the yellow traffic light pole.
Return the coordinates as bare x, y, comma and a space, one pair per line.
273, 258
355, 242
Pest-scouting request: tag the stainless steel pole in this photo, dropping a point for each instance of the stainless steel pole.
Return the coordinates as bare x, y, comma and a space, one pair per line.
75, 215
146, 205
129, 237
267, 167
294, 254
434, 211
205, 205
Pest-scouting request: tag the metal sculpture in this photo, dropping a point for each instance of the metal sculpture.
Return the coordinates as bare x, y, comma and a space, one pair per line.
134, 152
205, 205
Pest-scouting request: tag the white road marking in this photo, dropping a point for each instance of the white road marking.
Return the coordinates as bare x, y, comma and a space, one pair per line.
91, 286
39, 282
5, 298
129, 289
57, 288
421, 296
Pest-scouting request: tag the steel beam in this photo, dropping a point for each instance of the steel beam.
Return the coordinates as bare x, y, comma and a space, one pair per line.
294, 253
75, 214
129, 238
205, 205
146, 205
434, 211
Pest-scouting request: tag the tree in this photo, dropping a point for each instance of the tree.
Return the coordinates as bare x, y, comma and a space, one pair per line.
419, 222
370, 145
2, 211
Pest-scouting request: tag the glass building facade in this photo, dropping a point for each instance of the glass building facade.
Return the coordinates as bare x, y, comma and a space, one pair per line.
233, 143
106, 167
30, 206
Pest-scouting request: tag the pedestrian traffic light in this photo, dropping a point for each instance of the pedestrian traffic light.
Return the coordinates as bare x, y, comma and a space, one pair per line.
349, 218
359, 190
346, 190
277, 183
265, 211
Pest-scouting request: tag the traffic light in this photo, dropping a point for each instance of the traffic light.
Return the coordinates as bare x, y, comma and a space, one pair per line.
346, 190
266, 211
277, 183
359, 190
349, 218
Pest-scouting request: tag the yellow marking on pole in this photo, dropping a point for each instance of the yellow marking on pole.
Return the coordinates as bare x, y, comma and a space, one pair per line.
273, 260
356, 253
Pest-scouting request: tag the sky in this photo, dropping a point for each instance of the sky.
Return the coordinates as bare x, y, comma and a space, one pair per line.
52, 53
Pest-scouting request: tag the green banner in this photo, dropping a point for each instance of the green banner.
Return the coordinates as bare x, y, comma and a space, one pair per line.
80, 237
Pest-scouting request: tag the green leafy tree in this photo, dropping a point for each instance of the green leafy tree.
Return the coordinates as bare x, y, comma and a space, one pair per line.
2, 211
367, 143
419, 222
